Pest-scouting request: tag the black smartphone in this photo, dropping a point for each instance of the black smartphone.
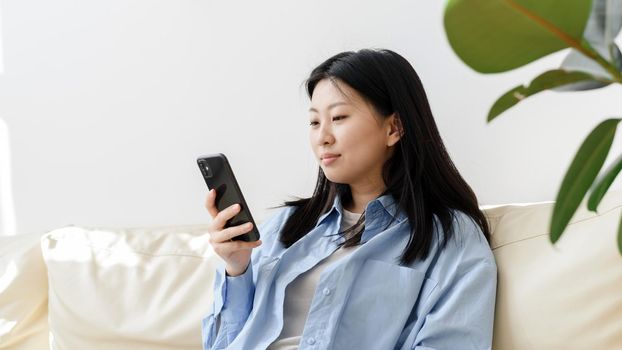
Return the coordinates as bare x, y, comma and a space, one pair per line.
218, 175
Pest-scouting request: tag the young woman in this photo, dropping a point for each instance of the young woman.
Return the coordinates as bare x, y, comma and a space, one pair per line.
390, 252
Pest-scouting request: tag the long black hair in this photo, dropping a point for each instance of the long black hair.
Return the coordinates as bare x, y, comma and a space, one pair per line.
420, 175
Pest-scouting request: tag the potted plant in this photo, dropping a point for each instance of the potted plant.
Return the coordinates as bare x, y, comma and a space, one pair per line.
493, 36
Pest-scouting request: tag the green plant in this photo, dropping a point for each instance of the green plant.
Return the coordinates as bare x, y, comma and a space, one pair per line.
494, 36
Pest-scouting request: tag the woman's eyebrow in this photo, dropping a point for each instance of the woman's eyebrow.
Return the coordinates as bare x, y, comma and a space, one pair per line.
329, 106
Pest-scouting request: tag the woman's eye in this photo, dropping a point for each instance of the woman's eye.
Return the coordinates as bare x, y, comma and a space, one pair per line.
313, 123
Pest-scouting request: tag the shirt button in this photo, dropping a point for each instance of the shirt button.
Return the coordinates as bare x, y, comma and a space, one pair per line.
326, 291
311, 341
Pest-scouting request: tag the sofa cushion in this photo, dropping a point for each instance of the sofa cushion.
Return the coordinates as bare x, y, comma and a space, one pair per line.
23, 294
127, 289
148, 288
562, 296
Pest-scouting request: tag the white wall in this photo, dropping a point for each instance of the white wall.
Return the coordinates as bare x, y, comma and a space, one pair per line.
108, 104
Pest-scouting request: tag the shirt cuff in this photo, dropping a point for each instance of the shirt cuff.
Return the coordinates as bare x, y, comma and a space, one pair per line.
238, 295
219, 289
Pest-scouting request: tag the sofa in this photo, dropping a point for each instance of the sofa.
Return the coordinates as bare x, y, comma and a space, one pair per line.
76, 288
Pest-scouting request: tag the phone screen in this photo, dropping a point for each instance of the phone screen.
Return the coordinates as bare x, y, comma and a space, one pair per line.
218, 175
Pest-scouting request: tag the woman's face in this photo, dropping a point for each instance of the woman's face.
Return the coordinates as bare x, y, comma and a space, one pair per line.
348, 126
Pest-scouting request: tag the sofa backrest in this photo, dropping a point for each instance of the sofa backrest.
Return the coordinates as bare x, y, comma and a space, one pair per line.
148, 288
562, 296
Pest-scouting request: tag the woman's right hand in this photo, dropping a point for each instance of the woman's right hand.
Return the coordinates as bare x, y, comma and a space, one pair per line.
236, 254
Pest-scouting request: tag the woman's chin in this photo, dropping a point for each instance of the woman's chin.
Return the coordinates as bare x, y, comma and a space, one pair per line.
332, 177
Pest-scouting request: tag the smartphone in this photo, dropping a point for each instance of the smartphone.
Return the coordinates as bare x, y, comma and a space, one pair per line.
218, 175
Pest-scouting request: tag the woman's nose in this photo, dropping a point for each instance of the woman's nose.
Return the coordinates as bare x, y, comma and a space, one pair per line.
325, 135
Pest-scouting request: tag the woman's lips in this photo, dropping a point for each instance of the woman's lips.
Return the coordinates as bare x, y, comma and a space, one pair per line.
329, 160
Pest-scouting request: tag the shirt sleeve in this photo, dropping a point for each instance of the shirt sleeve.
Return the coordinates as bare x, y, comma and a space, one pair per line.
233, 302
233, 296
463, 311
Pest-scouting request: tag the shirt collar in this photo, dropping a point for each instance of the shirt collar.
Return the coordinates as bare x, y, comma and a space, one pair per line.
386, 203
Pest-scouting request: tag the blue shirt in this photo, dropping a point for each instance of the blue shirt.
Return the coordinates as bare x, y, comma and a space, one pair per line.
365, 300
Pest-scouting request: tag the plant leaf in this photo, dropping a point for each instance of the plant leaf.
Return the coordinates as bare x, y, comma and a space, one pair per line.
602, 184
604, 24
576, 61
581, 174
494, 36
620, 237
546, 80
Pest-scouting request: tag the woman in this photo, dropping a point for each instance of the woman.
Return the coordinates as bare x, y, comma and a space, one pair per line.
390, 252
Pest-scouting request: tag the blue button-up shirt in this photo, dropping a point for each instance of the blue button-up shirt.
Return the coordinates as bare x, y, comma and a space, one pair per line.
365, 300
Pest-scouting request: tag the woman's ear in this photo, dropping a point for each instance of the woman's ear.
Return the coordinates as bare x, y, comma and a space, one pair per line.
396, 131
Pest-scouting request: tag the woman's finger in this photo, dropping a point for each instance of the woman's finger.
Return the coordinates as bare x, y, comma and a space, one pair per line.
231, 232
210, 203
223, 249
222, 217
241, 245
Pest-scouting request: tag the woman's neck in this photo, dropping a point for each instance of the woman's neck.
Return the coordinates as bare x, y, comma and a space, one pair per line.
360, 199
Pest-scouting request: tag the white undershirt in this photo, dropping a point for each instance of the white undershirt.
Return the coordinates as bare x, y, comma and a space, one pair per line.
299, 293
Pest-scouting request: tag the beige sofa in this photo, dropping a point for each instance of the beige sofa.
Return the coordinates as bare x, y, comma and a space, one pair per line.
148, 288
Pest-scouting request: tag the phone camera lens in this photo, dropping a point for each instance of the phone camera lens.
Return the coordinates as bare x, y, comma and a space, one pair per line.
208, 170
